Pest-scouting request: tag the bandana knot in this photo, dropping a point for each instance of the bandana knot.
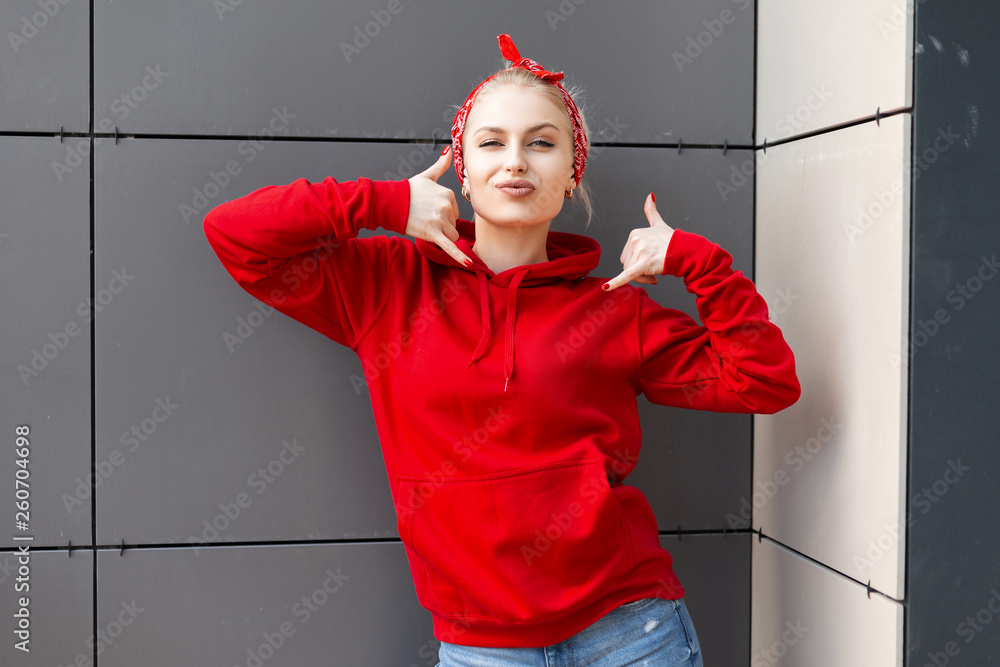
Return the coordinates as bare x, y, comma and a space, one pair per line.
510, 52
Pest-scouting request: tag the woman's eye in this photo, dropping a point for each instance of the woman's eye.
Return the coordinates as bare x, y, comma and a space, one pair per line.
537, 142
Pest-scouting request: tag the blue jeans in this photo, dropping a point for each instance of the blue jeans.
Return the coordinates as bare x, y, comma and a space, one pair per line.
651, 631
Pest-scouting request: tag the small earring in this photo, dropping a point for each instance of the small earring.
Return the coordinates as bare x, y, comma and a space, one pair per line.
569, 194
465, 192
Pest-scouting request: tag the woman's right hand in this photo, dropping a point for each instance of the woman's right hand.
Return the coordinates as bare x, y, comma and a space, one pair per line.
434, 210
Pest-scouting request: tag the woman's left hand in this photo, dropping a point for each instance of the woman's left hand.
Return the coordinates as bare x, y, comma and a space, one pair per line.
645, 251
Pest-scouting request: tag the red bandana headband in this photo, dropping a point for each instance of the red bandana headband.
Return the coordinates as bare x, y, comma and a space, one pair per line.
509, 52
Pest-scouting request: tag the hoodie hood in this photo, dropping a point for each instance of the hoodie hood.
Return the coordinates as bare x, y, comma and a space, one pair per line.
571, 256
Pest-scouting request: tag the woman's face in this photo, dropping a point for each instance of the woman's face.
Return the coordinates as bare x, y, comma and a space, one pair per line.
518, 153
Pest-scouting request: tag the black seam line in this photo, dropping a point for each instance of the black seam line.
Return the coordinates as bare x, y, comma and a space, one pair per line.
357, 540
343, 140
826, 567
93, 344
748, 646
834, 128
200, 545
707, 531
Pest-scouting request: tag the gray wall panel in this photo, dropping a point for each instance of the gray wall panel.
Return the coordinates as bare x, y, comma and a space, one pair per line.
953, 572
323, 604
61, 609
190, 424
45, 356
694, 467
45, 66
234, 395
221, 71
715, 573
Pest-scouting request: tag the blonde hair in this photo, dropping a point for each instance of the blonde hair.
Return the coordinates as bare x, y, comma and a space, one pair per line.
525, 79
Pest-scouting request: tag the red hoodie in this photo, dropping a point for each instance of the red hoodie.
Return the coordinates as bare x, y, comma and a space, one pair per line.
505, 403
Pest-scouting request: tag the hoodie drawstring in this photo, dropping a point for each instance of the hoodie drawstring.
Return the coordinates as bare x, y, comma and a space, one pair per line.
484, 304
484, 300
511, 313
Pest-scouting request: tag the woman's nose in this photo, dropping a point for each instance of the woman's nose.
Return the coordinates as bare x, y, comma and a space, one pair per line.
514, 160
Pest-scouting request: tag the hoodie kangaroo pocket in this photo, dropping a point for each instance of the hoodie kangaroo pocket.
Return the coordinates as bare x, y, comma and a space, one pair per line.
516, 546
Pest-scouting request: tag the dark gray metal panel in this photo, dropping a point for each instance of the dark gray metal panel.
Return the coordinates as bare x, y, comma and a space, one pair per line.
45, 358
953, 573
715, 573
288, 605
221, 72
60, 608
695, 466
45, 73
196, 393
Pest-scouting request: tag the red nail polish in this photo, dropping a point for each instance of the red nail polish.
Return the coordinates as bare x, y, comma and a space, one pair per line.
445, 150
653, 196
604, 287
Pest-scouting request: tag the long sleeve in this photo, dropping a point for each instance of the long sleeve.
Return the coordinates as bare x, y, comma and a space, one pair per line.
295, 247
735, 361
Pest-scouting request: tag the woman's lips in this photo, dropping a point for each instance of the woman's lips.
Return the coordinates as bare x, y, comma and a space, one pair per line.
516, 188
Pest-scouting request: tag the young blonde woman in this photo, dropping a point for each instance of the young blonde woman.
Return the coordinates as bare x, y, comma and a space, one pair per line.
503, 377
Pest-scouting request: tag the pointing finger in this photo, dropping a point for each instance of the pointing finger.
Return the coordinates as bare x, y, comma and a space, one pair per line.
629, 274
453, 250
